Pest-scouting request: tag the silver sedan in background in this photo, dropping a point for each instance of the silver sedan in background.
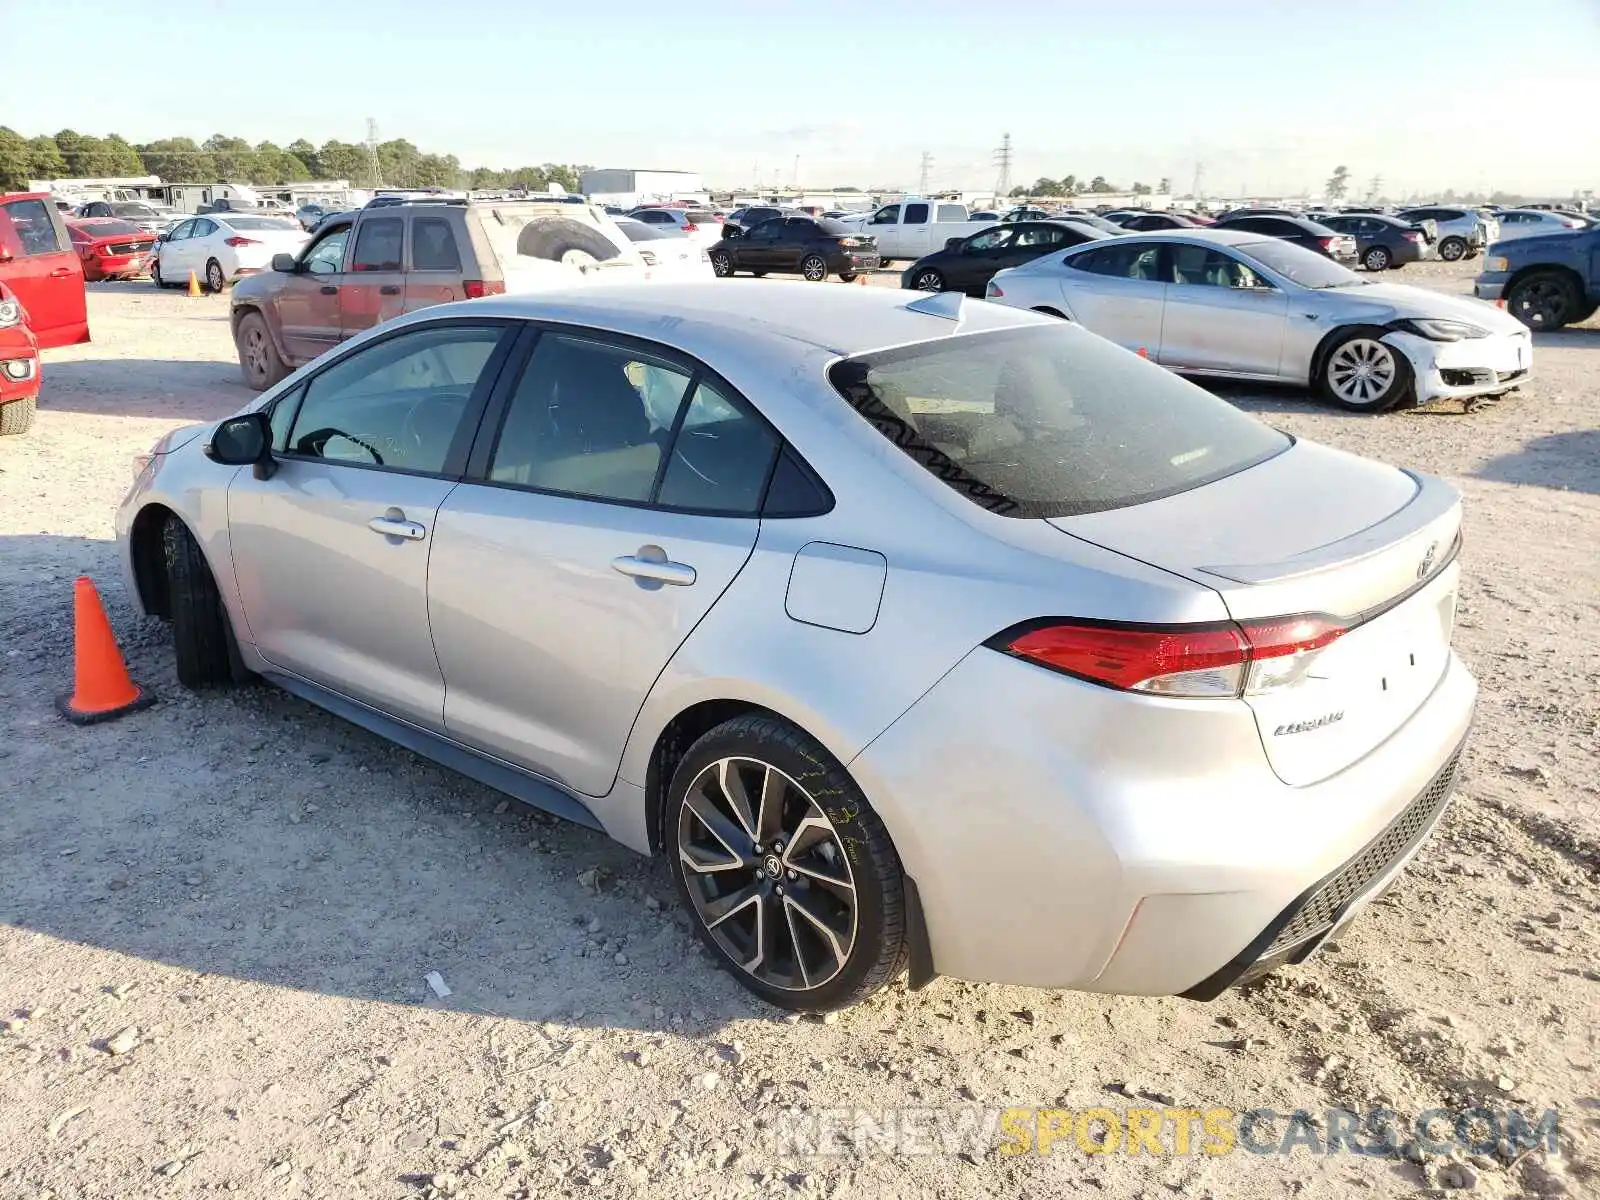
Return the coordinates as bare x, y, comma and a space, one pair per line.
1238, 305
914, 632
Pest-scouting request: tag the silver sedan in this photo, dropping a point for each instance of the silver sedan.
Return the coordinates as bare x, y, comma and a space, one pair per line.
914, 632
1240, 306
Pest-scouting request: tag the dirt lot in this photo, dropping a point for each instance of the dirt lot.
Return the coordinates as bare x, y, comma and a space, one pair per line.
216, 915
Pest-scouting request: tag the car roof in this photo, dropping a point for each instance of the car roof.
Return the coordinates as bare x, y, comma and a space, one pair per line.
1209, 234
699, 317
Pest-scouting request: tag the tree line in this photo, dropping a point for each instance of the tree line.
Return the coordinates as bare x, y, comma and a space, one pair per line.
1071, 185
73, 155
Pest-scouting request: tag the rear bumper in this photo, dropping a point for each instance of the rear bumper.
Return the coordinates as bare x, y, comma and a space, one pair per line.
1064, 836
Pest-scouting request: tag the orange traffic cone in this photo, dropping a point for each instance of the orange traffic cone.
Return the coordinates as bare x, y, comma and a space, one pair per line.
1142, 352
862, 280
194, 286
101, 687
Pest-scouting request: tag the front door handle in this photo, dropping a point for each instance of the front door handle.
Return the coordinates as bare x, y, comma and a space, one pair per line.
60, 273
398, 527
652, 564
329, 290
389, 289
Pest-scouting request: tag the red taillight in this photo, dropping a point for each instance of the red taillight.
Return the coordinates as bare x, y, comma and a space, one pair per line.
1223, 659
994, 290
690, 227
476, 289
240, 241
1412, 237
1327, 244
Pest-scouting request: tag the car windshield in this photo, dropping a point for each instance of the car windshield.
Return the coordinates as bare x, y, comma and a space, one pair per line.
110, 229
136, 211
258, 223
1300, 265
1050, 421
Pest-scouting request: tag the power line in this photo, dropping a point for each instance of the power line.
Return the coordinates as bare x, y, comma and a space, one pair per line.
927, 164
1002, 159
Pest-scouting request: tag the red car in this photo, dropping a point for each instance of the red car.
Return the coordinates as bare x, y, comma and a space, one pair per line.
19, 366
43, 271
111, 248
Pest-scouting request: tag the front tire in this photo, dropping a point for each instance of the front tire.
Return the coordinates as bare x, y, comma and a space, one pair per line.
814, 267
201, 635
1377, 258
928, 280
258, 357
155, 275
788, 872
1544, 300
16, 416
1453, 249
721, 264
216, 280
1364, 374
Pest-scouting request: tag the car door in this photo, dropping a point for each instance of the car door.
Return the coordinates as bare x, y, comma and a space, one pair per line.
915, 229
979, 257
374, 288
1220, 315
758, 249
38, 263
308, 300
798, 239
200, 246
433, 267
1119, 291
615, 502
331, 551
885, 227
169, 251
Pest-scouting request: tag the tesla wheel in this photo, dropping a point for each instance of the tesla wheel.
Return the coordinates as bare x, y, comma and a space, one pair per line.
1453, 249
215, 279
1364, 374
202, 639
814, 267
258, 357
1544, 300
16, 416
722, 265
928, 281
790, 874
1376, 259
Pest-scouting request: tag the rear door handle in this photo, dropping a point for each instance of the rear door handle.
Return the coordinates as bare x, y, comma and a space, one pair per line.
60, 273
389, 289
329, 290
651, 563
398, 527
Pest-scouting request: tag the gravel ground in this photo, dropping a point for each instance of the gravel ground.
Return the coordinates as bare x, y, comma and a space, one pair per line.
217, 915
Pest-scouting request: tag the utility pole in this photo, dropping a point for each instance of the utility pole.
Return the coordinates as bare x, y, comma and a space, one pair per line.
927, 164
1002, 160
372, 153
1199, 178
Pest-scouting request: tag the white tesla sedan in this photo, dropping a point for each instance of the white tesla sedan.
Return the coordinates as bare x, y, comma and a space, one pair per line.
1242, 306
914, 631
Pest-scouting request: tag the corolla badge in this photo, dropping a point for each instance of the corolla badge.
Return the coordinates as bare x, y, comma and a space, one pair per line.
1428, 556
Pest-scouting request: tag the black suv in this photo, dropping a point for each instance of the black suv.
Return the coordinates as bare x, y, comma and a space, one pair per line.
813, 246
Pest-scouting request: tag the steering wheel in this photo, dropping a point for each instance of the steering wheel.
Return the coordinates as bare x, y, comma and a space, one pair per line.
317, 442
441, 406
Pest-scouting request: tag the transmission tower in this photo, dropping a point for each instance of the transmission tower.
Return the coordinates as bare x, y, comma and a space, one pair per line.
372, 153
927, 165
1002, 160
1199, 178
1375, 187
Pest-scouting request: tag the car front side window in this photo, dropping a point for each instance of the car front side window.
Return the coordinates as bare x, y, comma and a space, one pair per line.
398, 404
327, 256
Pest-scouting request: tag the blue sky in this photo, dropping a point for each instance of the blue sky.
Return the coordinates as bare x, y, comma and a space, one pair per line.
1269, 96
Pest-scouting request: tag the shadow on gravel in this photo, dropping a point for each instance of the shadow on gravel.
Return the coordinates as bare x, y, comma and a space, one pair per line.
1563, 461
144, 387
242, 832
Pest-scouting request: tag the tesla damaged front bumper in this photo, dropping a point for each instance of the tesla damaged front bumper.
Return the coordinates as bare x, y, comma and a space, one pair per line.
1484, 366
1062, 835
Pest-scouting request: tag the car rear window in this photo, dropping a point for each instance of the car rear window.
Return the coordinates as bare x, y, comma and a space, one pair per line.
258, 224
1050, 421
637, 231
701, 217
137, 211
109, 228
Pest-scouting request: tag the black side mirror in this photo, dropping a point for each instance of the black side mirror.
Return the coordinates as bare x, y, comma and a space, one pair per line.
243, 441
284, 263
953, 243
731, 233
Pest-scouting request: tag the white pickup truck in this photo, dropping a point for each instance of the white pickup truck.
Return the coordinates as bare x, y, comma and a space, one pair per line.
908, 229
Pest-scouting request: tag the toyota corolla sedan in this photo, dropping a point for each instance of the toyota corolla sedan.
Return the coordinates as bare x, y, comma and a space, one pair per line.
917, 633
1239, 305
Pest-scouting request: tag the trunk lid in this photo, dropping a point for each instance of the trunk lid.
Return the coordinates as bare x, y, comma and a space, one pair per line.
1315, 530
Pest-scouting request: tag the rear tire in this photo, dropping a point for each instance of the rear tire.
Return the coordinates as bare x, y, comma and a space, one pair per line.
202, 639
814, 268
1362, 373
1377, 258
757, 940
258, 357
16, 416
1453, 249
216, 280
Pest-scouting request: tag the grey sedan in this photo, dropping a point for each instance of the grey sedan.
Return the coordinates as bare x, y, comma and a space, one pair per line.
1242, 306
914, 632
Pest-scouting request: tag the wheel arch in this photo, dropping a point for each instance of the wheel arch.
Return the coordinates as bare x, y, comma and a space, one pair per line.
1319, 356
240, 312
147, 559
1572, 274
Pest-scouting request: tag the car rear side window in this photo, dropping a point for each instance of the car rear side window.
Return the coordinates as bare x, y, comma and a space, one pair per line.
397, 404
916, 214
952, 212
378, 244
33, 227
1050, 421
1125, 260
433, 245
720, 458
